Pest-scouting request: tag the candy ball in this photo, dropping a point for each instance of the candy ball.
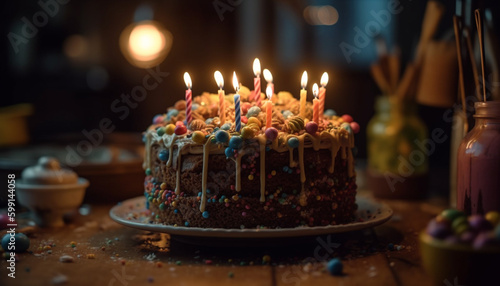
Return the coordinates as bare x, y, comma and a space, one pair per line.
172, 112
158, 119
209, 120
198, 137
271, 133
355, 127
194, 106
163, 155
245, 106
244, 119
346, 126
330, 112
236, 142
484, 239
170, 129
205, 214
247, 132
226, 126
335, 266
180, 129
293, 142
21, 242
451, 214
438, 229
347, 118
254, 120
493, 217
479, 223
253, 111
287, 114
221, 136
229, 152
160, 131
311, 127
179, 123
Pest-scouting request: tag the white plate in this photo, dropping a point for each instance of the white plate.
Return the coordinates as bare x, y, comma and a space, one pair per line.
371, 212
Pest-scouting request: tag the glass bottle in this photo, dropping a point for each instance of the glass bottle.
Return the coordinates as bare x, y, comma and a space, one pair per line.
397, 159
478, 170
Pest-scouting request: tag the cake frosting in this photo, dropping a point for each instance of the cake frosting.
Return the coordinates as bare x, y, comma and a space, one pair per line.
206, 174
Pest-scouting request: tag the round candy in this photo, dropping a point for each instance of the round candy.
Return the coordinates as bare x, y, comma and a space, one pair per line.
287, 113
253, 111
20, 242
172, 112
254, 120
459, 222
484, 239
236, 142
170, 129
160, 131
293, 142
198, 137
226, 126
335, 267
221, 136
229, 152
438, 229
247, 132
347, 118
271, 133
163, 155
355, 127
158, 119
180, 129
493, 217
245, 106
311, 127
330, 112
205, 214
346, 126
451, 214
244, 119
479, 223
179, 123
194, 106
209, 120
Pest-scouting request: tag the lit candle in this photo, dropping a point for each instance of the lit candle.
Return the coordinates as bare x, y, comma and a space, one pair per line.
303, 95
189, 96
269, 78
256, 81
237, 109
316, 104
220, 83
322, 93
269, 107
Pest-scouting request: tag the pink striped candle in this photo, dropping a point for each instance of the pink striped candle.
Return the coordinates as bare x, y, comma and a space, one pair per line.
222, 102
256, 81
189, 96
316, 104
322, 94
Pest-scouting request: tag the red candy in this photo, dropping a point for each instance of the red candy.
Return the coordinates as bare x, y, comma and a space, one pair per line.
245, 106
180, 129
354, 126
178, 123
244, 119
347, 118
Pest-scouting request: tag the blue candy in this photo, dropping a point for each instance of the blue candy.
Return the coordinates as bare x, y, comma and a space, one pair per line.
335, 267
330, 112
293, 142
21, 242
229, 152
194, 106
253, 111
221, 136
163, 155
205, 214
235, 142
287, 113
172, 112
226, 126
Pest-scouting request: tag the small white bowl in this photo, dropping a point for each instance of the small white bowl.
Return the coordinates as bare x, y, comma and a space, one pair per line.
49, 203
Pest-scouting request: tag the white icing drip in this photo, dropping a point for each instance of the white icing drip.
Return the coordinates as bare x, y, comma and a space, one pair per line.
147, 152
206, 152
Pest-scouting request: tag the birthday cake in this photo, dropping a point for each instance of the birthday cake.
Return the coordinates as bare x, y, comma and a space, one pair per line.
207, 174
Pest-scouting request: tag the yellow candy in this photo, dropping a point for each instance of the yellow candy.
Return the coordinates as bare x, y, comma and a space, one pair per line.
170, 129
247, 132
254, 120
198, 137
493, 217
235, 197
163, 186
254, 126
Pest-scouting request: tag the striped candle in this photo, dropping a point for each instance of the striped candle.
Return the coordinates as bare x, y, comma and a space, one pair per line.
322, 93
256, 82
189, 96
237, 108
220, 83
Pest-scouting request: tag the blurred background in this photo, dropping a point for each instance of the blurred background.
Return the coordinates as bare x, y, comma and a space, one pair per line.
67, 60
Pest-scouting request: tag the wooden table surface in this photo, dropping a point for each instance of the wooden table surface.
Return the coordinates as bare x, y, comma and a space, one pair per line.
107, 253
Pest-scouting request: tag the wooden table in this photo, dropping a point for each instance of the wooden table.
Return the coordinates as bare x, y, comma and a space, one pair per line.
107, 253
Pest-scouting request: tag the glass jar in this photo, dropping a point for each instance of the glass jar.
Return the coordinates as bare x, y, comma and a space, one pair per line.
478, 169
397, 157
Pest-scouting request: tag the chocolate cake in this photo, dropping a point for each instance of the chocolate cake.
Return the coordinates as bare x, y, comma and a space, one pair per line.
206, 174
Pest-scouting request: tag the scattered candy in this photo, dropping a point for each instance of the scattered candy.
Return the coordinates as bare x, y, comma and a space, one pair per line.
335, 267
66, 259
205, 214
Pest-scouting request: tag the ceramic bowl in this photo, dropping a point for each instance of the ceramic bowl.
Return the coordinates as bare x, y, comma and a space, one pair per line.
458, 264
49, 203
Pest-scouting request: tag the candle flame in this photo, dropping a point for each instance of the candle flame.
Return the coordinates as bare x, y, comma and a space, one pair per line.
256, 67
269, 92
187, 80
324, 79
268, 75
236, 84
303, 81
315, 90
219, 79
